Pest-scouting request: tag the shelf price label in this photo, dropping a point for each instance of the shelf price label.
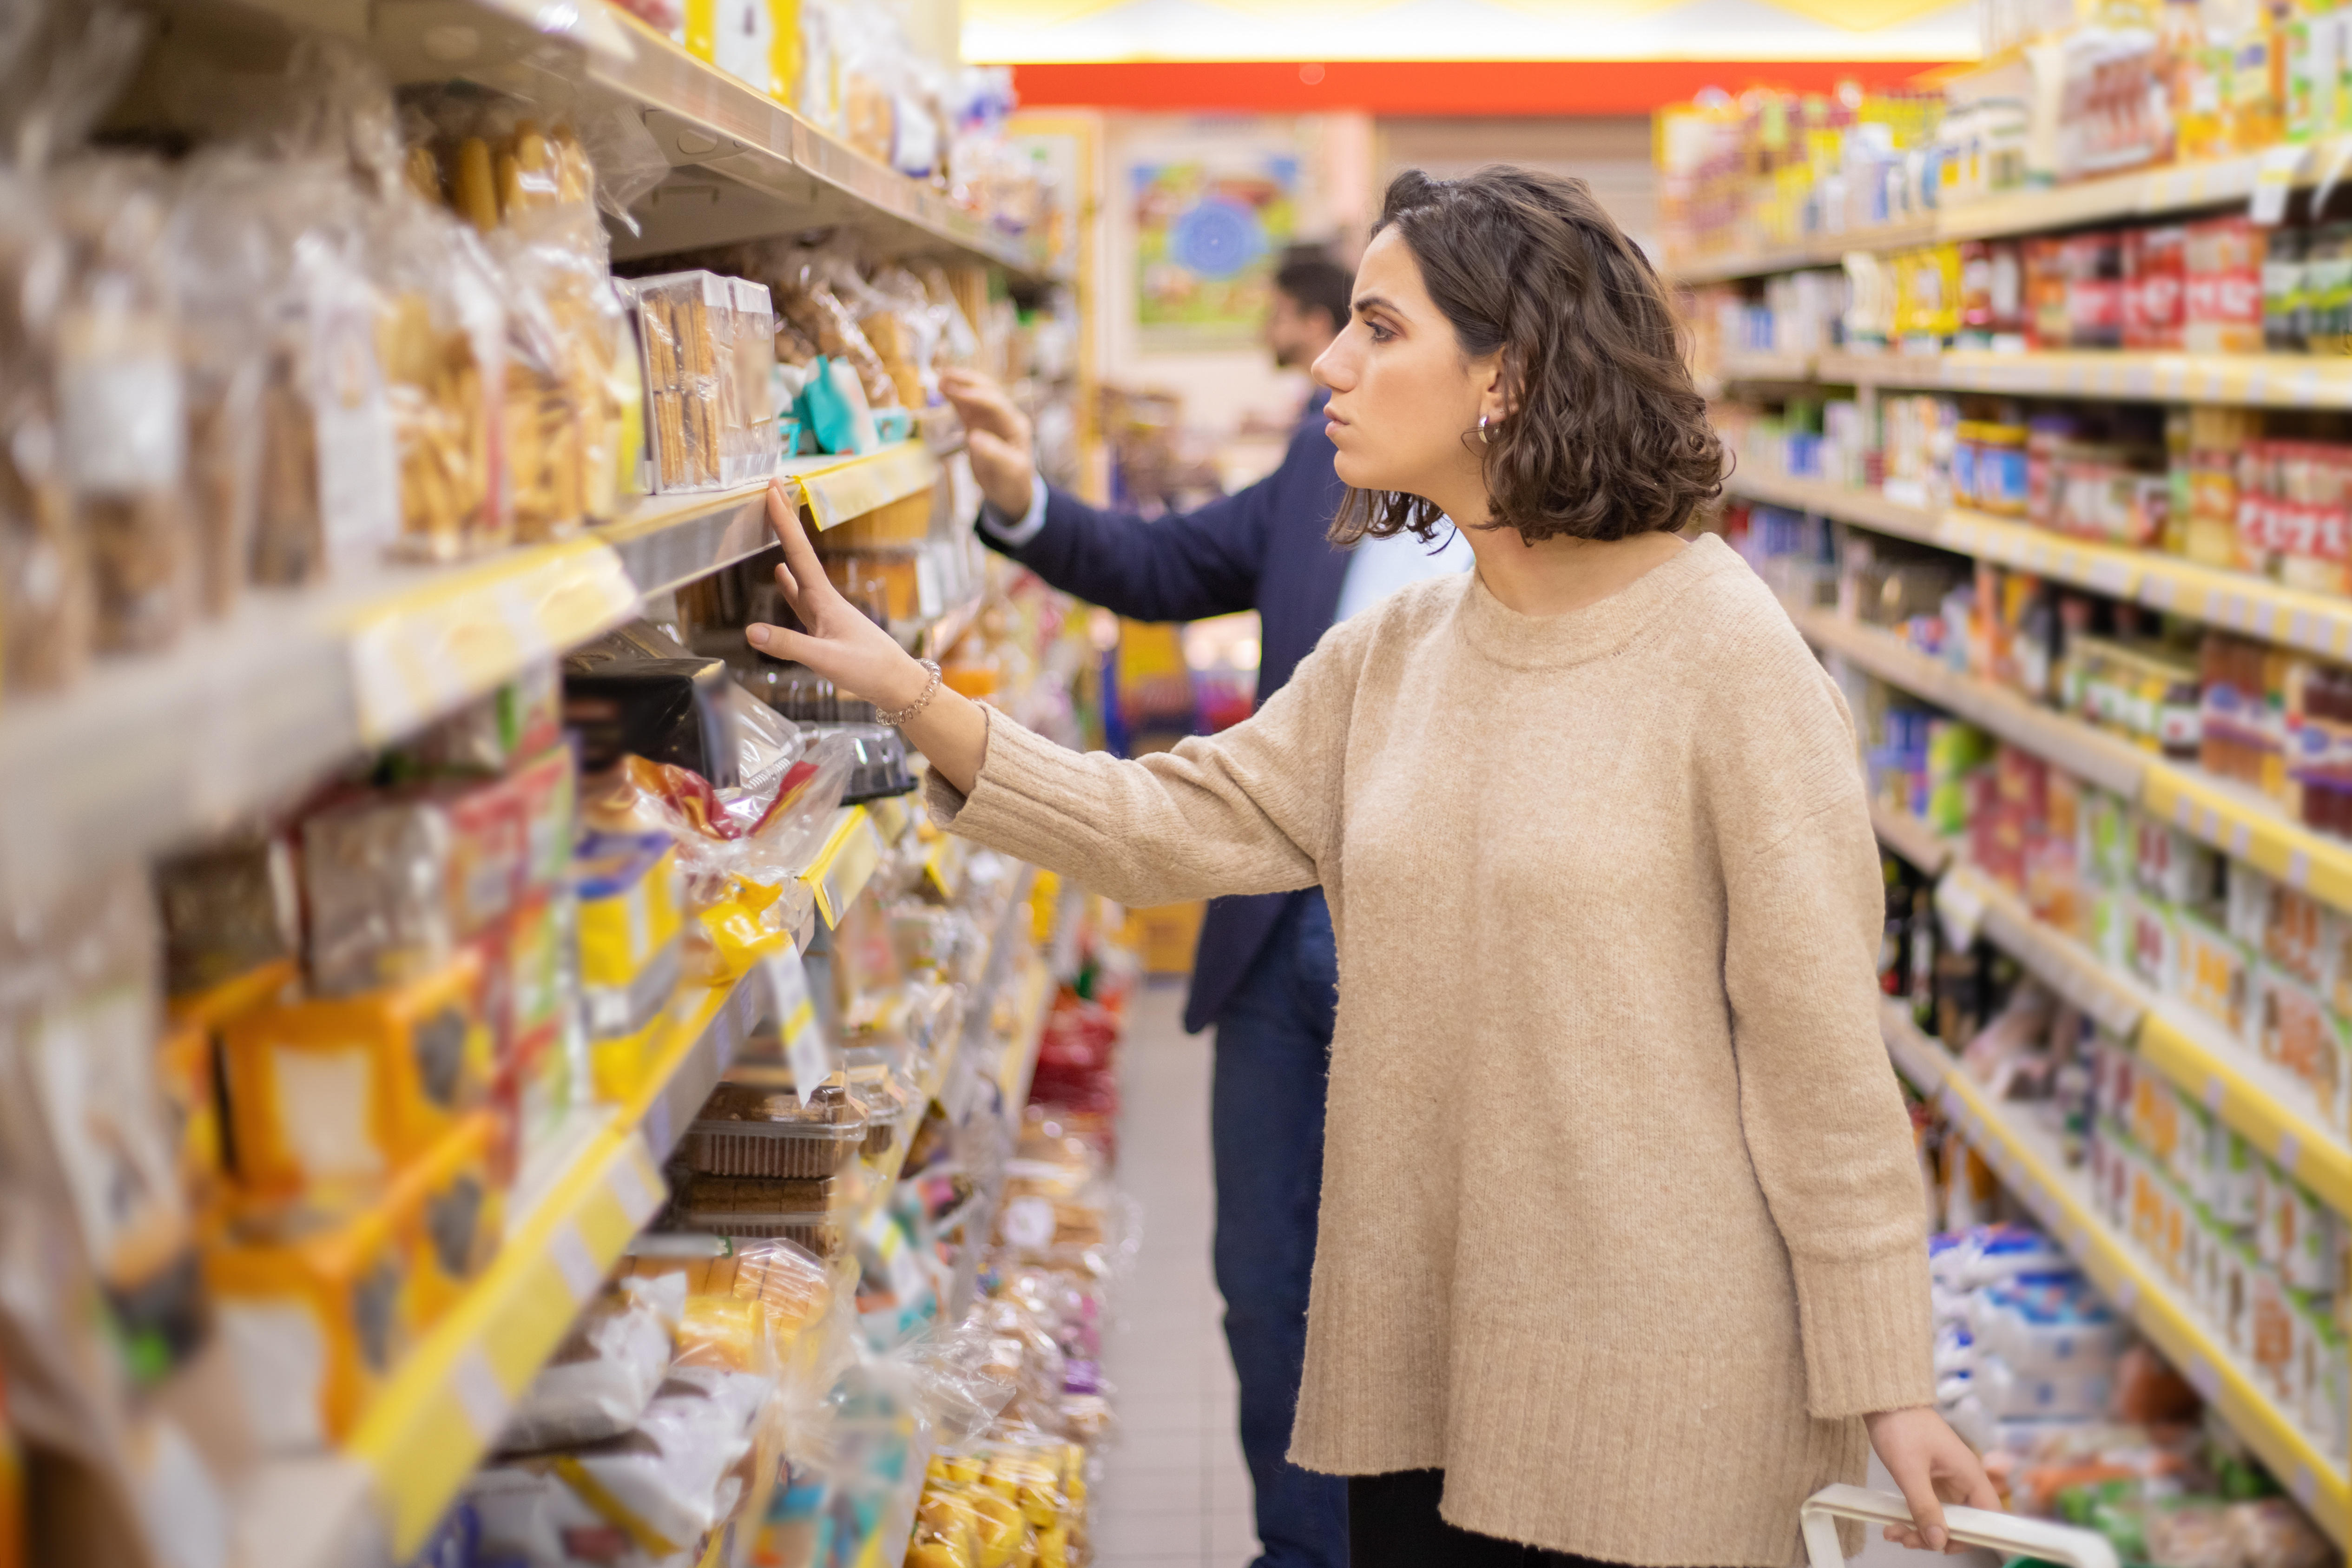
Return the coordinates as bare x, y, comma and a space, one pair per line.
795, 1012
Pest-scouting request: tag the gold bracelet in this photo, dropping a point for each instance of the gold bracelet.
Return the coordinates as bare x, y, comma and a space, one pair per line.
931, 689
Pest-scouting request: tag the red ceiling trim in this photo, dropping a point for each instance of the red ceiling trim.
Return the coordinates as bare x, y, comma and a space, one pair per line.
1431, 87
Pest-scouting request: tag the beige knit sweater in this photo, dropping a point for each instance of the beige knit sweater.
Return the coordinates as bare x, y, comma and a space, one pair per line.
1620, 1225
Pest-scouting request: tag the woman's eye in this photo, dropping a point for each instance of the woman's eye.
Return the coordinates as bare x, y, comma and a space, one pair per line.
1379, 334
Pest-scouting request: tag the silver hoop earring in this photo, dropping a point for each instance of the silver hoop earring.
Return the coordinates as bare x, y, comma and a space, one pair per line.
1483, 436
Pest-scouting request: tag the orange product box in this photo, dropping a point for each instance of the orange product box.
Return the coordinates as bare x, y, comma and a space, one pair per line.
315, 1307
348, 1088
448, 1210
187, 1064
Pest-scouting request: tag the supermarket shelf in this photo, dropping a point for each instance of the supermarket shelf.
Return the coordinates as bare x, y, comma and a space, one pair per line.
1767, 367
2029, 1164
2250, 1096
1868, 508
844, 863
2233, 818
2317, 623
1924, 1063
2105, 760
148, 753
1020, 1064
743, 165
833, 489
1909, 837
2271, 381
2246, 823
424, 1436
577, 1210
2176, 188
2260, 1103
1973, 902
785, 174
1820, 251
667, 541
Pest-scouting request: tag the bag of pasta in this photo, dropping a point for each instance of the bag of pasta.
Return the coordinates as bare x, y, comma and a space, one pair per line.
529, 192
441, 339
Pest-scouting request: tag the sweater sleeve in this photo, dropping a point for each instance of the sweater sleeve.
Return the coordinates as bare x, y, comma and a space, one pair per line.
1252, 809
1822, 1115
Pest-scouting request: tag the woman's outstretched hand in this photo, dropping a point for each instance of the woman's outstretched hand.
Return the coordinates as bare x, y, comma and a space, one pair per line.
1931, 1467
860, 658
840, 644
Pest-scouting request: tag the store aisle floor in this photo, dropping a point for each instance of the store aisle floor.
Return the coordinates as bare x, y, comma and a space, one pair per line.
1175, 1491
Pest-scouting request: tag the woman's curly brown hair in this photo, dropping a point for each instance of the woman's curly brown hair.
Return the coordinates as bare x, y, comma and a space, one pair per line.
1606, 436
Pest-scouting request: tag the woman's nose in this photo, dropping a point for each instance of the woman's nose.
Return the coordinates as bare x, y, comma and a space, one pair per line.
1326, 369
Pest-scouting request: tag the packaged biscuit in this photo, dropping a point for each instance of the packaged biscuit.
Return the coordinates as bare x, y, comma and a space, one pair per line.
313, 1301
375, 880
605, 1372
441, 339
686, 329
345, 1090
45, 606
121, 407
86, 1127
227, 909
449, 1210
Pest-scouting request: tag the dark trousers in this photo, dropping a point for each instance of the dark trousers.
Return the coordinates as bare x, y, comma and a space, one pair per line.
1265, 1125
1395, 1523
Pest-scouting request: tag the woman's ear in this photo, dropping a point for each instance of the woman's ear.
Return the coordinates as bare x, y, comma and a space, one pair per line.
1497, 396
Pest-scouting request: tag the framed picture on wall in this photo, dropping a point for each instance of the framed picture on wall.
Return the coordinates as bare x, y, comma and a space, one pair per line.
1208, 232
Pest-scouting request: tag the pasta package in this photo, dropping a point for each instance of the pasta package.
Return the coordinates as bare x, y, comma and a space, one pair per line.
121, 410
441, 340
708, 342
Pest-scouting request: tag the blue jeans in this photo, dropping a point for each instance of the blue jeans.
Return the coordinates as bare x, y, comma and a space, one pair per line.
1266, 1127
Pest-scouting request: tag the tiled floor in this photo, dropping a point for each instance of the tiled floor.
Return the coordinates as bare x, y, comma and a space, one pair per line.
1175, 1494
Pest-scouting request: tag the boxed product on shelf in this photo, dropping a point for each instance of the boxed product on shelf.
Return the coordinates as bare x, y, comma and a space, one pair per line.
339, 1088
630, 961
705, 338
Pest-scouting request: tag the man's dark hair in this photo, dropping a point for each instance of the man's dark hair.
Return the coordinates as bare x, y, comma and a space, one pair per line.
1606, 434
1317, 282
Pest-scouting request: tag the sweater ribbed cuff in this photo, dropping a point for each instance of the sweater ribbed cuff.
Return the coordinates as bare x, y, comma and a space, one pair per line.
1869, 1341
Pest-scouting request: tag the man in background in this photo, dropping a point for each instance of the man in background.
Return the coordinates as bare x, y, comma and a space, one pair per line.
1266, 973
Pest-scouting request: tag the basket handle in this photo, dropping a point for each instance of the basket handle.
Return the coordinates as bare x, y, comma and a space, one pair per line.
2007, 1533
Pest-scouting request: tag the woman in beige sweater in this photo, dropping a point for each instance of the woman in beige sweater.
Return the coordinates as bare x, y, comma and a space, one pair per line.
1622, 1250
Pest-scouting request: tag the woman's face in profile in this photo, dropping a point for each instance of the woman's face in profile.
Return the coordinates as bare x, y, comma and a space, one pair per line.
1403, 393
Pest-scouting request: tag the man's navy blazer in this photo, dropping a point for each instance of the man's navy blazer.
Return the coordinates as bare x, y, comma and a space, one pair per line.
1263, 549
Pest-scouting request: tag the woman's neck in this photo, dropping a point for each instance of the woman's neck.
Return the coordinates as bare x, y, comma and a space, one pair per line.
1553, 576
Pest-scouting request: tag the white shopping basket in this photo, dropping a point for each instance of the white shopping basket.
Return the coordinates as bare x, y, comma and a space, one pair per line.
2003, 1532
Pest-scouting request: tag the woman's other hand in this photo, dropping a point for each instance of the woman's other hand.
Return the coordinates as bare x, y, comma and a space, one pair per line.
840, 644
1931, 1467
861, 657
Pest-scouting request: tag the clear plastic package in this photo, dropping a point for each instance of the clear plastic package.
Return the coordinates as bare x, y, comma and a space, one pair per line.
121, 408
375, 877
749, 1130
879, 766
687, 332
603, 1374
442, 332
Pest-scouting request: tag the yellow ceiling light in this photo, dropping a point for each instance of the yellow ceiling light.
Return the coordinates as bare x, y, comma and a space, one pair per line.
1597, 10
1863, 16
1306, 10
1035, 13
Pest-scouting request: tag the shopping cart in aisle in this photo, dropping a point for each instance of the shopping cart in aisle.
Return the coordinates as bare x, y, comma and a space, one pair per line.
2006, 1533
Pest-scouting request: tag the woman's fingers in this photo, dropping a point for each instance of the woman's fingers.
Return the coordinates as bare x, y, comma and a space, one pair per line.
800, 555
792, 647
